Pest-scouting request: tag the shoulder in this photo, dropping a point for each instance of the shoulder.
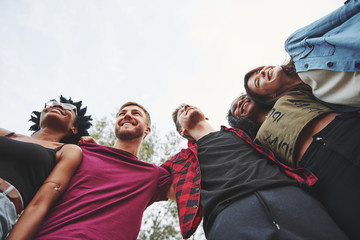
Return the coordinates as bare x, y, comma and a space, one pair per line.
70, 151
4, 132
162, 171
71, 148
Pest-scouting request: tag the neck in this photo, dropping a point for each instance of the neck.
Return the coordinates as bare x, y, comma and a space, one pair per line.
290, 82
262, 116
132, 145
201, 129
49, 134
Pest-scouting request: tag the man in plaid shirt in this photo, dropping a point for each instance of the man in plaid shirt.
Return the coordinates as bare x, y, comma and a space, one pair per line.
242, 191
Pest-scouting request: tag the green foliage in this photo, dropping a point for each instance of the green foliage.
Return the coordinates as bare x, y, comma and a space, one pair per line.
156, 150
103, 131
159, 223
147, 149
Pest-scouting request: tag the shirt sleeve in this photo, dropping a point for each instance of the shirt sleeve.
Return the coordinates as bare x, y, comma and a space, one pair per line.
164, 182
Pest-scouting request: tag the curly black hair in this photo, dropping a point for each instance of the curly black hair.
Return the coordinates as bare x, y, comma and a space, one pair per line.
82, 123
249, 126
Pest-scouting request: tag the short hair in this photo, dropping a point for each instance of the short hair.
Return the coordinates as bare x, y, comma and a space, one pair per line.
177, 124
138, 105
174, 117
249, 126
82, 122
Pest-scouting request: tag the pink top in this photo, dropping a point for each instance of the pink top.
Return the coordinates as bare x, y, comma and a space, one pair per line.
106, 197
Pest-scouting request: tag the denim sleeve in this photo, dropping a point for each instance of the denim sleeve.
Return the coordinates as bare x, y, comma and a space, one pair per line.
328, 39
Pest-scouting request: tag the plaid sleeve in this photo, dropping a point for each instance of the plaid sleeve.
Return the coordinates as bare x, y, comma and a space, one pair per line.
186, 175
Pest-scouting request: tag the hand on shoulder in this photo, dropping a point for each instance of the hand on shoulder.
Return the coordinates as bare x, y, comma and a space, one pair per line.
86, 139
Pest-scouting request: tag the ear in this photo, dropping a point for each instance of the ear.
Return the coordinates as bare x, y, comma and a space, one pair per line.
74, 130
147, 130
272, 95
183, 132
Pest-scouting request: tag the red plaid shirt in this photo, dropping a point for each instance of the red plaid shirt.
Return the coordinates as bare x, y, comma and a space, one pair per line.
185, 170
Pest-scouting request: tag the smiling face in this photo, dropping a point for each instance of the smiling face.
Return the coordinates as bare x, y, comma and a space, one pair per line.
188, 117
243, 106
267, 80
56, 116
131, 123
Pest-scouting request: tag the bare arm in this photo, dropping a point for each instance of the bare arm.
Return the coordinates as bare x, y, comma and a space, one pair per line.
171, 194
3, 132
48, 193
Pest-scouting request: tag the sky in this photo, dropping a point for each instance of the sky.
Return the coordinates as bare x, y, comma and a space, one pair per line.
160, 53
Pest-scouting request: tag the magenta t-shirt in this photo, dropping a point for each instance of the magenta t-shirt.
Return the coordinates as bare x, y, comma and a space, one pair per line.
106, 197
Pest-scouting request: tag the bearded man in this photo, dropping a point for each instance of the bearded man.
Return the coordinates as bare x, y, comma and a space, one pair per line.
112, 188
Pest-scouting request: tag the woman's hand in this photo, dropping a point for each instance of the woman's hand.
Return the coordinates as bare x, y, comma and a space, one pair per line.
86, 139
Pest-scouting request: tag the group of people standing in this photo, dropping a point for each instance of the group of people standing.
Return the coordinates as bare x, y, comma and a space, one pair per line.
289, 168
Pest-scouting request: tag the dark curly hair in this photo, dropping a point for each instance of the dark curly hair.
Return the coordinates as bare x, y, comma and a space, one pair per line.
82, 122
249, 126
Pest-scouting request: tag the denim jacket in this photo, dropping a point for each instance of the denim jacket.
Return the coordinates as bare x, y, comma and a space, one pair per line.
331, 43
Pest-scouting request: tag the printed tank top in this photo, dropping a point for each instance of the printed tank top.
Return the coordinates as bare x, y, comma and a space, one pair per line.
283, 124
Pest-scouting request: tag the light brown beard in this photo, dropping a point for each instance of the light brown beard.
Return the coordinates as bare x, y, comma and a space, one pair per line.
129, 134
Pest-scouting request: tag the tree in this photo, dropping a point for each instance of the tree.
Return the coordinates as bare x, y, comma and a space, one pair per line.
103, 131
160, 220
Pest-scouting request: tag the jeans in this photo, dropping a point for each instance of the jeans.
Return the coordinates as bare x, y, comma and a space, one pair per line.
8, 215
334, 157
281, 213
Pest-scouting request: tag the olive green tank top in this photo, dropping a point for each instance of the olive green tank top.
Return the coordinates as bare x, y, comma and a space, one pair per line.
283, 124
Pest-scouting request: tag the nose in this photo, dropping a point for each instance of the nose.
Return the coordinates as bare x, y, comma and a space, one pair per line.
242, 98
186, 106
58, 105
240, 102
127, 115
262, 71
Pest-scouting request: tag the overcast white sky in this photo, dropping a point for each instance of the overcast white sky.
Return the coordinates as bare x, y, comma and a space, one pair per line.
159, 53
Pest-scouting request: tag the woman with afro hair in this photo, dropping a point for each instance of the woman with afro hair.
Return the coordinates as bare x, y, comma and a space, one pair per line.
35, 170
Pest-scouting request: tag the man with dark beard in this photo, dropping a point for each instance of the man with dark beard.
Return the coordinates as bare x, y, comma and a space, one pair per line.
107, 196
245, 192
